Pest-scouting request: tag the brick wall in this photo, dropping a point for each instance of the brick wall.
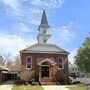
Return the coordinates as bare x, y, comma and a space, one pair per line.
0, 76
3, 76
58, 73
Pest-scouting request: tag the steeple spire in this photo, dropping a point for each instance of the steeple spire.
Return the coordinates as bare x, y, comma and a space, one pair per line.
43, 35
44, 21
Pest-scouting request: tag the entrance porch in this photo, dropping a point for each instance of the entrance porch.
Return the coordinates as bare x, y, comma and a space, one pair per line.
46, 71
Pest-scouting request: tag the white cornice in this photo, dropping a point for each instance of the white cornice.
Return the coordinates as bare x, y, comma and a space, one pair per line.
43, 52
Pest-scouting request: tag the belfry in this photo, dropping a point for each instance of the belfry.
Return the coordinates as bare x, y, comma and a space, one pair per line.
43, 35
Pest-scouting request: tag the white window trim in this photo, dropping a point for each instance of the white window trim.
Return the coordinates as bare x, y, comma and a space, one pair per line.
31, 62
62, 64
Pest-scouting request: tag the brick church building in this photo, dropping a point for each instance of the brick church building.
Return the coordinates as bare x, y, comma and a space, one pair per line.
43, 60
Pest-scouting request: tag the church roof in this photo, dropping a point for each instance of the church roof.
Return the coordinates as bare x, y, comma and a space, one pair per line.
44, 48
73, 66
44, 21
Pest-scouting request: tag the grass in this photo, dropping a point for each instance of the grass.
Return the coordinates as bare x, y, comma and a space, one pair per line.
26, 87
78, 88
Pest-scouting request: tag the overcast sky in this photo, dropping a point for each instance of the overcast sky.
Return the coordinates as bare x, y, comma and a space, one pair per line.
19, 21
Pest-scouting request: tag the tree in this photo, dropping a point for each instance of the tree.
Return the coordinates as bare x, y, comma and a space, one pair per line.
15, 65
6, 61
9, 63
1, 60
82, 59
18, 63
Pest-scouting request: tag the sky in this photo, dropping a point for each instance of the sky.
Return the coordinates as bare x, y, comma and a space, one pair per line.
69, 22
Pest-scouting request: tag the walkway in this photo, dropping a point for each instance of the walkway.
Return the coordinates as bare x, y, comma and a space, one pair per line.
7, 85
54, 87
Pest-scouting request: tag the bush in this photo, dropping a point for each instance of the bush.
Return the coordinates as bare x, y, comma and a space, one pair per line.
20, 82
73, 81
61, 81
35, 83
76, 82
31, 80
69, 80
36, 79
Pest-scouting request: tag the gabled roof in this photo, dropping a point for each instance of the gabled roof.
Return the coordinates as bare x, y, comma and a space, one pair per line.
44, 21
44, 48
46, 60
73, 66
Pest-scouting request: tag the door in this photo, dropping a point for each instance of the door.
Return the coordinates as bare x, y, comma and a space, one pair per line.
45, 71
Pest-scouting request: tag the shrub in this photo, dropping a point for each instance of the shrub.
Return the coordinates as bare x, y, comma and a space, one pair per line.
69, 80
35, 83
76, 82
31, 80
73, 81
61, 81
20, 82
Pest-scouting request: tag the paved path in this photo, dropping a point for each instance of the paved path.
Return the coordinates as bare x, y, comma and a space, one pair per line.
7, 85
54, 87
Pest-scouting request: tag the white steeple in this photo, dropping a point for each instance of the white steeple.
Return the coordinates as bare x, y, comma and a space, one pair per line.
43, 35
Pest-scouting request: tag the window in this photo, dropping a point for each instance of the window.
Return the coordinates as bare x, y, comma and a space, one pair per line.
60, 63
73, 69
44, 31
29, 63
44, 40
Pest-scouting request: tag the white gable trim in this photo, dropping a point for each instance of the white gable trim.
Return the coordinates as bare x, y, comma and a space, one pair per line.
47, 60
43, 52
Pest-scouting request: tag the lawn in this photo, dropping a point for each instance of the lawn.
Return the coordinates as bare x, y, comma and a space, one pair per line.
26, 87
78, 88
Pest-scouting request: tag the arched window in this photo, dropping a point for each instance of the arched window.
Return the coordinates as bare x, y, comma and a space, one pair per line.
29, 62
60, 63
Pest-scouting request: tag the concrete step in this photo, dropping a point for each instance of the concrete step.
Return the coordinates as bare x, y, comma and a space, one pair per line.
46, 79
48, 83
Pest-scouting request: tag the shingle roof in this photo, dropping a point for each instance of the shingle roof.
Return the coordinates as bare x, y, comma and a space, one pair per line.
44, 48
